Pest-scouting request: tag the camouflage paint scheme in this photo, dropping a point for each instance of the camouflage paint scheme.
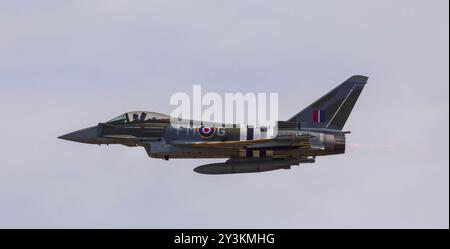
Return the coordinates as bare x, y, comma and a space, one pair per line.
315, 131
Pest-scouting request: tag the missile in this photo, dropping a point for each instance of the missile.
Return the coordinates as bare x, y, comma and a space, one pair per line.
244, 166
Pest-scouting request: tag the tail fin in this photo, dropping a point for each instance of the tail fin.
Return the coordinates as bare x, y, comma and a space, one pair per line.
331, 111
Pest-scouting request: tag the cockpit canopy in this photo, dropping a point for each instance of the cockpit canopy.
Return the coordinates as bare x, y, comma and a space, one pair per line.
138, 116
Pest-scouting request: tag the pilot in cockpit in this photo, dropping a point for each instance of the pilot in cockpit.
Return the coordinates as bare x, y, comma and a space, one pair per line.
135, 117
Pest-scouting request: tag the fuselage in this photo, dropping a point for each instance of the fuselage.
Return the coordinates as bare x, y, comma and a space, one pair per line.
317, 130
161, 139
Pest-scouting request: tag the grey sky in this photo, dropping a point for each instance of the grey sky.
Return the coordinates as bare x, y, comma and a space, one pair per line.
66, 65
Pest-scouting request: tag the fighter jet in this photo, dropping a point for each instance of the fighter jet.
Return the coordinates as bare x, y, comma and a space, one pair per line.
315, 131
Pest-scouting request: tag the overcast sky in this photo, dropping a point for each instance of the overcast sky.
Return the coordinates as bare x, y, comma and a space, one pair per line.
66, 65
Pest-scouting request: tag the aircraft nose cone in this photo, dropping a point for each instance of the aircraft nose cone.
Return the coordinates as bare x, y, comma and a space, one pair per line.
88, 135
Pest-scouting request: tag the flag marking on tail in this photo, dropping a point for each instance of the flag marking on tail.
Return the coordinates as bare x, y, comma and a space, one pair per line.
319, 116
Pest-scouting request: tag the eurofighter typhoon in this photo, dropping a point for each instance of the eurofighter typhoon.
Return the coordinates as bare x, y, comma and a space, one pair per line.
315, 131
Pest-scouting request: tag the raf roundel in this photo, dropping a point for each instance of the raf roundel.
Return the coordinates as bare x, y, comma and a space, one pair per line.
206, 132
